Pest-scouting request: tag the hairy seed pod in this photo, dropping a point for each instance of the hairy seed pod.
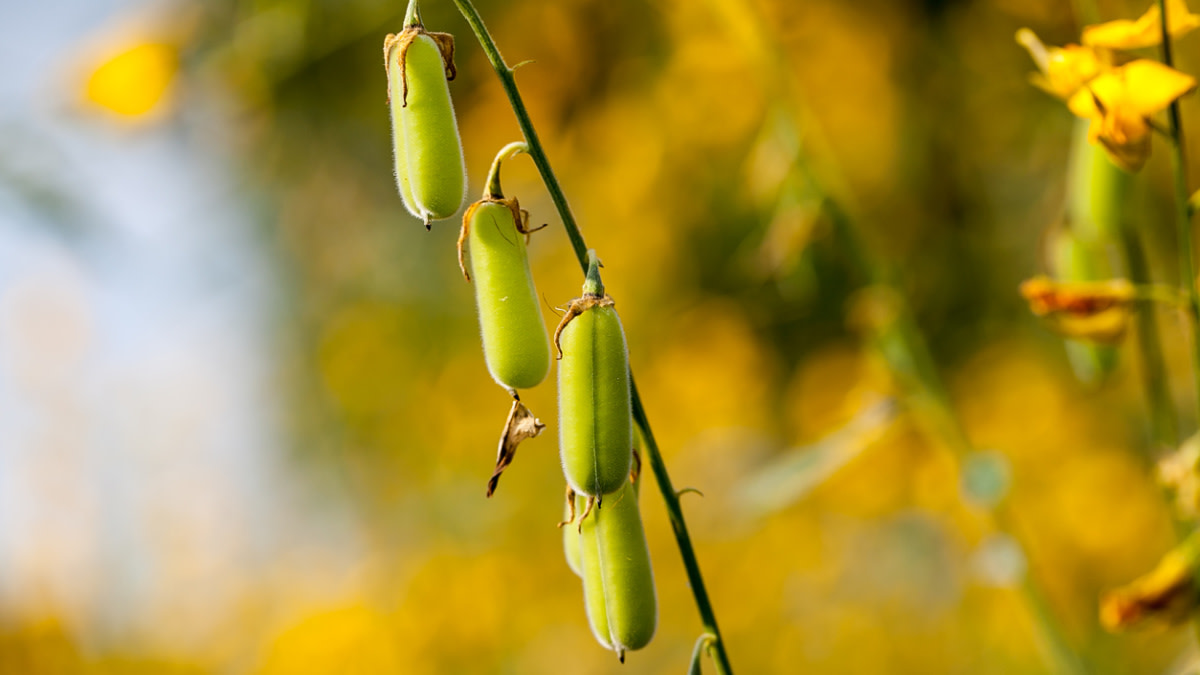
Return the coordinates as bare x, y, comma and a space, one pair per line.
492, 246
430, 170
515, 344
618, 581
595, 410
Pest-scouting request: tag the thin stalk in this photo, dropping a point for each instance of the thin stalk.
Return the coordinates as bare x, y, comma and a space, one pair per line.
662, 477
1187, 254
914, 364
1183, 225
505, 73
915, 367
671, 497
1163, 425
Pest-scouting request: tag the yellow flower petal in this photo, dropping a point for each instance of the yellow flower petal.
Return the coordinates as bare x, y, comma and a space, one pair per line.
1149, 86
1083, 104
1118, 103
1063, 69
1167, 594
1145, 31
133, 82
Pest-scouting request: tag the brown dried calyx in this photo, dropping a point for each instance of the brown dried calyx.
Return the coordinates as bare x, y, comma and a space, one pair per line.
520, 217
403, 40
593, 296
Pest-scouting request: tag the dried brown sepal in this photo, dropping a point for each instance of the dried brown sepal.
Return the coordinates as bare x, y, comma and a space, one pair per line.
445, 43
520, 217
587, 508
1167, 595
402, 41
521, 425
570, 506
575, 308
1092, 310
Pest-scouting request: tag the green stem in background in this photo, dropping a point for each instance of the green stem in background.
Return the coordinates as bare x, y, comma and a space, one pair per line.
670, 496
1163, 425
903, 346
1096, 193
1183, 225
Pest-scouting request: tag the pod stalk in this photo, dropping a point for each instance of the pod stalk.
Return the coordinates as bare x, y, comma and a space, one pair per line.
592, 286
492, 190
412, 16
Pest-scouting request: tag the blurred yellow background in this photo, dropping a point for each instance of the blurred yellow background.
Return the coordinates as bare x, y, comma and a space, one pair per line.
245, 423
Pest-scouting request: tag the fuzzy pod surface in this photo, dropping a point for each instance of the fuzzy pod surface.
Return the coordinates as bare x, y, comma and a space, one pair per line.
618, 580
430, 169
595, 410
571, 542
515, 344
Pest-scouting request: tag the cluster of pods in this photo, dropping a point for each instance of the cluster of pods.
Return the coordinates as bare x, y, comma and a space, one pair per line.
604, 541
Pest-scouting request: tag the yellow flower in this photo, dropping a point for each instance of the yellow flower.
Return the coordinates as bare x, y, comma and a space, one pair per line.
1118, 103
1063, 69
1098, 311
134, 81
1145, 31
1167, 594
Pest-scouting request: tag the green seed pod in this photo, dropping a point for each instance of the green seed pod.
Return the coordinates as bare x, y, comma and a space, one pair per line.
618, 581
430, 170
515, 344
595, 410
1075, 260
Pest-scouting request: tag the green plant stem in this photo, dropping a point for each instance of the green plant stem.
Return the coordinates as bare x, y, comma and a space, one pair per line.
1163, 424
912, 363
670, 496
1183, 225
505, 73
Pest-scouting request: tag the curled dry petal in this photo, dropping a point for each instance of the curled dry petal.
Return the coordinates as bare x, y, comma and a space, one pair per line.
520, 425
